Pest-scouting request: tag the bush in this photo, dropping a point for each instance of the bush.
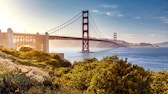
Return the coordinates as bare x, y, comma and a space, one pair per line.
25, 49
118, 77
110, 75
160, 82
29, 56
15, 83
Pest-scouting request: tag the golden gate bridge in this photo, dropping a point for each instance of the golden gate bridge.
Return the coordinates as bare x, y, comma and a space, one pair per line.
41, 41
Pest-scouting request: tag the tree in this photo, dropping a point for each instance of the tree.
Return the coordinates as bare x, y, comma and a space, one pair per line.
115, 76
25, 49
160, 82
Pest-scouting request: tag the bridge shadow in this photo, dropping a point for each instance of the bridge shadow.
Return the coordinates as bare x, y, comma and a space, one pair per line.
99, 52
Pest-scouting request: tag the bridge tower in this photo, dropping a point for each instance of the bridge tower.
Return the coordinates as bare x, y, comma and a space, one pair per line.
85, 31
115, 36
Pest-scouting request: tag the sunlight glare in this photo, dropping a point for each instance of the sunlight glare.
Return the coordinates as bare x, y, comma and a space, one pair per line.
7, 20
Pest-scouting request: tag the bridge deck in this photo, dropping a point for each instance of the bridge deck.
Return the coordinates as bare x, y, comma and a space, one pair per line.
53, 37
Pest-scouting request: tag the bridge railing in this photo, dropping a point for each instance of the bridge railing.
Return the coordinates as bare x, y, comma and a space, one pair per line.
16, 40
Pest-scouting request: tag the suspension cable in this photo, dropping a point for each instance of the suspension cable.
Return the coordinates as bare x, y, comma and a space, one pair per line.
66, 23
94, 30
64, 26
98, 31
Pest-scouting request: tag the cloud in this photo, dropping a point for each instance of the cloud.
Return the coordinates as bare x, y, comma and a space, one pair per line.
137, 17
110, 6
164, 19
108, 14
95, 11
120, 15
114, 13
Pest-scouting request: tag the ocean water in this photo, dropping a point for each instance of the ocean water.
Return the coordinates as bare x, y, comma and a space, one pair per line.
149, 58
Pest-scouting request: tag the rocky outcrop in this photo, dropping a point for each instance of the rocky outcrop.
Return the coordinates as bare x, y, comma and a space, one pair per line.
32, 72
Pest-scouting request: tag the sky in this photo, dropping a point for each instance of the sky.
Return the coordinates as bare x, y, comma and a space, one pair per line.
133, 20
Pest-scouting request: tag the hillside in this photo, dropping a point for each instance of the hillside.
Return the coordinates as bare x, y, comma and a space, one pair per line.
31, 62
32, 72
31, 57
28, 71
163, 44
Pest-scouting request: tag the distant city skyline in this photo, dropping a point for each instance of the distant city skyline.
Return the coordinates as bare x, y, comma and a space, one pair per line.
133, 20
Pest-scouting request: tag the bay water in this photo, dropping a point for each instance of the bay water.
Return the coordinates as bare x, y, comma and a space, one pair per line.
150, 58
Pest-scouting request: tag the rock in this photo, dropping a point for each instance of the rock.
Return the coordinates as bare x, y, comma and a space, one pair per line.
32, 72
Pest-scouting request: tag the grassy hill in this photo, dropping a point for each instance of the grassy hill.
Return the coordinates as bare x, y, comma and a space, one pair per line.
110, 75
31, 57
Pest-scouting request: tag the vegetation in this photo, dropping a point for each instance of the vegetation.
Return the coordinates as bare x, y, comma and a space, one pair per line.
31, 57
110, 75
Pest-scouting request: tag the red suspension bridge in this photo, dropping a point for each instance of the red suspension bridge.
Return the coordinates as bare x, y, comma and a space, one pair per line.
41, 42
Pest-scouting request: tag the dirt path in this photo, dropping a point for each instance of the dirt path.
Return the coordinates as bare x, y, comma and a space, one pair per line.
33, 72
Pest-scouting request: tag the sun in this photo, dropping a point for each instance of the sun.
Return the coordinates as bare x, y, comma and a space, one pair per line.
4, 23
7, 22
7, 17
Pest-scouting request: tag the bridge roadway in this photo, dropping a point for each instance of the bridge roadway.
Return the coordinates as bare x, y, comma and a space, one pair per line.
54, 37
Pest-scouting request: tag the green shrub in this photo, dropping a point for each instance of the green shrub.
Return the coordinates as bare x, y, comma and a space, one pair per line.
25, 49
15, 83
29, 56
110, 75
159, 84
118, 77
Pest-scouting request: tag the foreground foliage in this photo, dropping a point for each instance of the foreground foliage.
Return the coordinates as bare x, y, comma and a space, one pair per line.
110, 75
31, 57
19, 83
160, 82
